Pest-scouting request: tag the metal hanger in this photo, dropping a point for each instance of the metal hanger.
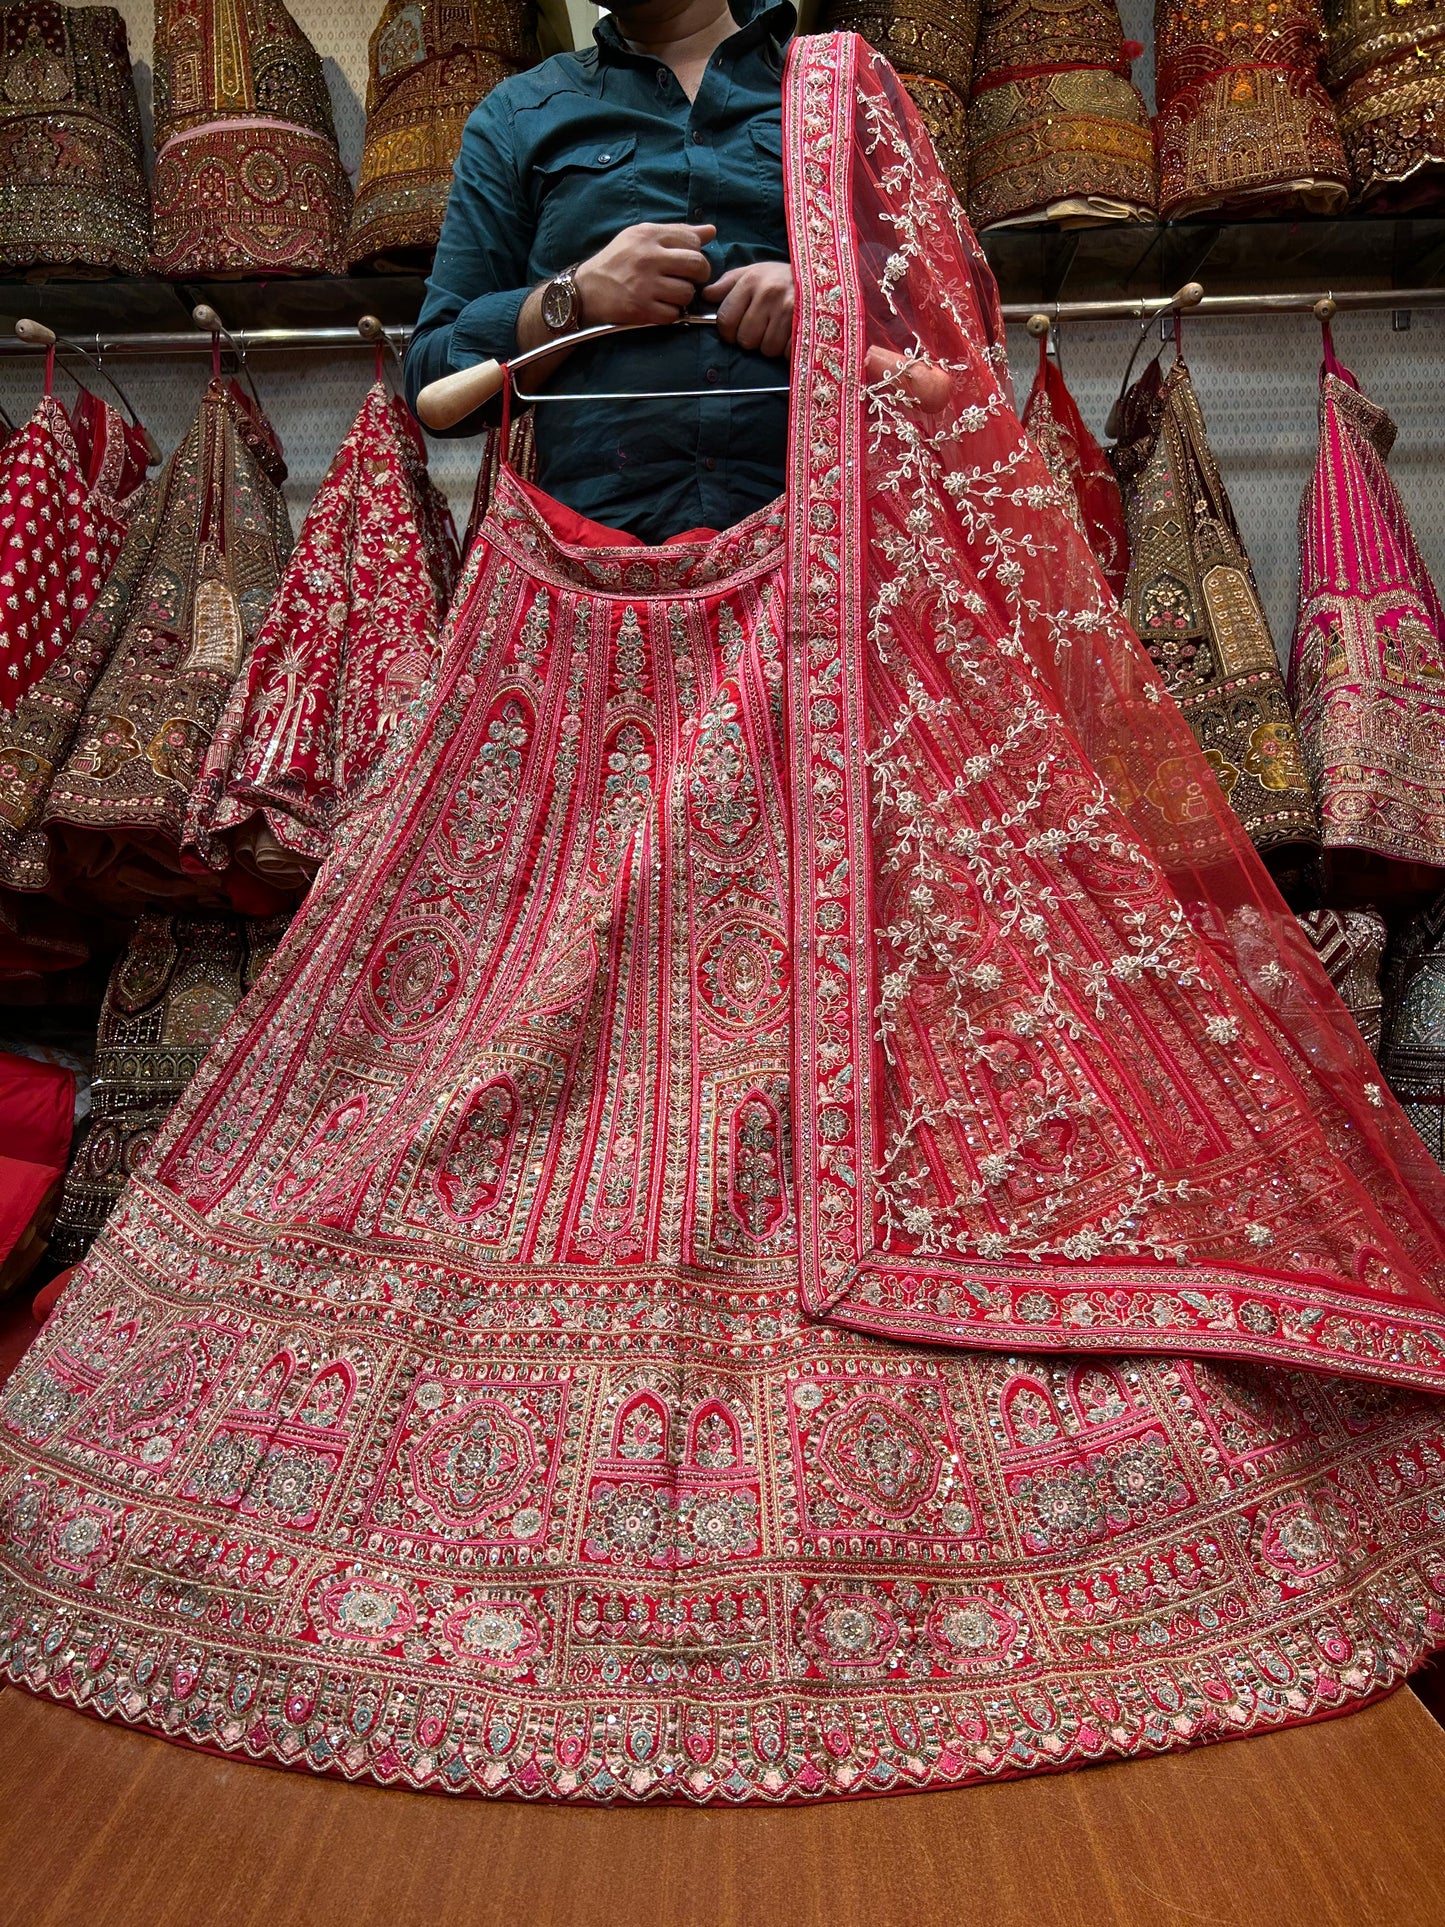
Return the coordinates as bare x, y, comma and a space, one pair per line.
39, 336
627, 394
370, 328
1189, 296
205, 316
450, 399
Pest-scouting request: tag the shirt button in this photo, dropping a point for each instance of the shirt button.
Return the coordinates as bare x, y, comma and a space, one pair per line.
697, 137
713, 375
709, 462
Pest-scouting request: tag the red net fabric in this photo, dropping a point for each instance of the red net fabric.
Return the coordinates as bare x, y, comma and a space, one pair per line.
1088, 487
1068, 1071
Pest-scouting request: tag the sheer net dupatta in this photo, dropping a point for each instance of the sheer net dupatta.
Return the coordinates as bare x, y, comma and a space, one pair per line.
1069, 1075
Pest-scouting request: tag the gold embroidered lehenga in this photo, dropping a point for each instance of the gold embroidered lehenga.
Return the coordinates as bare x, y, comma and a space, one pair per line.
151, 668
1057, 129
793, 1214
73, 192
1192, 601
430, 61
1244, 126
248, 179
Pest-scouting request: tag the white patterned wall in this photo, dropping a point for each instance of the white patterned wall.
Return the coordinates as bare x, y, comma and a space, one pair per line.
1256, 378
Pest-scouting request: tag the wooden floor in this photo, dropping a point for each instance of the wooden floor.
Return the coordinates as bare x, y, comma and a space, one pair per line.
1336, 1825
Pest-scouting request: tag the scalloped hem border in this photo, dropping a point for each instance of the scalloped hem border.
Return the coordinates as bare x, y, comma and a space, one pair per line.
807, 1776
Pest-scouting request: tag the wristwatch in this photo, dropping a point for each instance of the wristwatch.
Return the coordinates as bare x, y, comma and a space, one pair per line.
561, 303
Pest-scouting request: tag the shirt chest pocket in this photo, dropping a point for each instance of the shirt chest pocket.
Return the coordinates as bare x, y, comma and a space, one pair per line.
767, 143
586, 192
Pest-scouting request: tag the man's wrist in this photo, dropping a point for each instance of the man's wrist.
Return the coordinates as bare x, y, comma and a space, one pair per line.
562, 303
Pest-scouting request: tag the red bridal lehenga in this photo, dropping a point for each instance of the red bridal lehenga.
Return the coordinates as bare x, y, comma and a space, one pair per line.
793, 1214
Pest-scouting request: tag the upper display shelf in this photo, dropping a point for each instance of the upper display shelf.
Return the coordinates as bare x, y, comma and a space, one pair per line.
1042, 265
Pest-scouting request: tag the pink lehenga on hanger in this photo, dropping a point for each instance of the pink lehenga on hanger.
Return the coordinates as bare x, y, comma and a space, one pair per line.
767, 945
1367, 670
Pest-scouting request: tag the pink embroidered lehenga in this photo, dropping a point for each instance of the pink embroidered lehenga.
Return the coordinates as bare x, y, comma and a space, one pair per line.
793, 1214
1367, 667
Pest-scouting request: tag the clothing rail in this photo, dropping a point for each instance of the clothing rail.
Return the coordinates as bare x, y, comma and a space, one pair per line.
252, 341
1146, 307
122, 342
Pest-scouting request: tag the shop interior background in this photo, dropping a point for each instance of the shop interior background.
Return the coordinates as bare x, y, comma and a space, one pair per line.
1256, 377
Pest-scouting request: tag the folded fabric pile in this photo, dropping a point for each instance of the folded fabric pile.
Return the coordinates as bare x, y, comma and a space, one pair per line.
431, 61
1244, 126
248, 179
72, 179
1385, 68
1057, 130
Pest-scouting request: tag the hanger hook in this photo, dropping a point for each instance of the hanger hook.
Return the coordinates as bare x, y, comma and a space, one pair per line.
371, 329
40, 336
205, 316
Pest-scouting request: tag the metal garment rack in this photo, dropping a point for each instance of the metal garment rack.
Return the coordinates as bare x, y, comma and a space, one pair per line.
140, 344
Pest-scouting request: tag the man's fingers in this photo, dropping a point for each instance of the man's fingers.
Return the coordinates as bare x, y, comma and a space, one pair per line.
680, 236
779, 335
731, 309
752, 326
668, 288
696, 267
718, 290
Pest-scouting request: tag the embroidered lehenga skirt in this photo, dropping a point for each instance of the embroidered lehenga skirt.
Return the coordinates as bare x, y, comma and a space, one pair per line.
792, 1215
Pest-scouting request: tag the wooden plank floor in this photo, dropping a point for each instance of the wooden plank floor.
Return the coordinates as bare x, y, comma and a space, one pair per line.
1337, 1825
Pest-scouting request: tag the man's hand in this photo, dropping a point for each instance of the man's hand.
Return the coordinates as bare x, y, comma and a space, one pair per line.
645, 273
755, 306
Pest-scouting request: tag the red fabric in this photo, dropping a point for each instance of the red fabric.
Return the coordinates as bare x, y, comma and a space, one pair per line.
754, 1240
63, 510
1080, 467
37, 1107
1027, 1170
350, 640
47, 1299
581, 532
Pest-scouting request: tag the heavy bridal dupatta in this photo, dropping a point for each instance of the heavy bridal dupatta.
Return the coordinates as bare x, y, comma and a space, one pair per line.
757, 943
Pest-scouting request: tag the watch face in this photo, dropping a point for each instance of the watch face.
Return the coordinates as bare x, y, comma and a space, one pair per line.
557, 304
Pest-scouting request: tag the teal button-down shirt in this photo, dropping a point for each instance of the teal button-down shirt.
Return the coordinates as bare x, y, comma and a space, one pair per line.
554, 163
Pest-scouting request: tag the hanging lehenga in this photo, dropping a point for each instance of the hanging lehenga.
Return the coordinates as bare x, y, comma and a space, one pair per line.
765, 943
349, 641
1192, 601
176, 982
154, 663
1367, 670
1085, 477
70, 482
1413, 1053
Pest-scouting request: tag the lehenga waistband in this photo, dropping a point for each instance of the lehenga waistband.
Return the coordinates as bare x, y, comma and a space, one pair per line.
558, 545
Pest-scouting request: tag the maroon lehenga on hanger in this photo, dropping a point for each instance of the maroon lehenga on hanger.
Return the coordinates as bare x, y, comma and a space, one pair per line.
156, 660
766, 945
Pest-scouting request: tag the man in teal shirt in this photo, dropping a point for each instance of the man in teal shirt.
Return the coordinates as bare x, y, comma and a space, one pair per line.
628, 183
